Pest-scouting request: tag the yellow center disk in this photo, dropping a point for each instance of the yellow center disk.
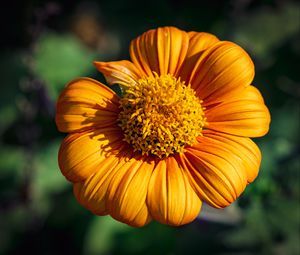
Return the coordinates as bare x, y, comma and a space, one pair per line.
160, 115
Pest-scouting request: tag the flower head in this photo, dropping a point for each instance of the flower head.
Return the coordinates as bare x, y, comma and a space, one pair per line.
178, 136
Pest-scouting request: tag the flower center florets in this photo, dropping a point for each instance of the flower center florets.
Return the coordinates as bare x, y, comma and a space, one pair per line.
160, 115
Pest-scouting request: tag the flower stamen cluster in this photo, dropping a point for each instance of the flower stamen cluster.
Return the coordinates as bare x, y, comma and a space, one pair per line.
160, 115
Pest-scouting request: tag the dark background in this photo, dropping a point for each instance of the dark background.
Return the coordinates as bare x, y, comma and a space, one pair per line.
45, 44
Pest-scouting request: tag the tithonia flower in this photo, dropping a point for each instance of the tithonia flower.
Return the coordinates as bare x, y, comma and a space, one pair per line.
178, 135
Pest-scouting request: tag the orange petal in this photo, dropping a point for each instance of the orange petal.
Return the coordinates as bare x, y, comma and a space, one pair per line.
171, 199
221, 70
82, 154
245, 115
243, 148
198, 43
161, 50
249, 93
93, 204
128, 190
92, 192
85, 104
119, 72
216, 173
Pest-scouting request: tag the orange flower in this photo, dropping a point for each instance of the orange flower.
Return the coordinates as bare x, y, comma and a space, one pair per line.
178, 136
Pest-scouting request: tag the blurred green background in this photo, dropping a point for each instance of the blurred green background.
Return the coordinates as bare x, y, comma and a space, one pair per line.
44, 44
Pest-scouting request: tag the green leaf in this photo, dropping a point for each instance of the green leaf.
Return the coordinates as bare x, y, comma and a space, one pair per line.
47, 179
10, 79
61, 58
11, 160
100, 235
256, 229
12, 223
265, 29
286, 123
11, 174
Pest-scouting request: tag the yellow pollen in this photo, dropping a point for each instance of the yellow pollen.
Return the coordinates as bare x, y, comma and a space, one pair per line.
160, 115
